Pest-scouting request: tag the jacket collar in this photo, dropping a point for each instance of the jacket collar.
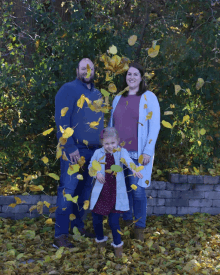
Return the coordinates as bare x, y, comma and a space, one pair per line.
79, 82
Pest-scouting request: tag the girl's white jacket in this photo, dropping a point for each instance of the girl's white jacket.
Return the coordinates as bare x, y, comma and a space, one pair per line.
148, 130
122, 203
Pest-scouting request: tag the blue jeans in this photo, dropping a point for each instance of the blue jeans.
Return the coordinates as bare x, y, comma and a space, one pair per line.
113, 219
137, 199
74, 187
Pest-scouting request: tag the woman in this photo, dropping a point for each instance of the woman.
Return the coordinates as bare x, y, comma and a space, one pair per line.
136, 116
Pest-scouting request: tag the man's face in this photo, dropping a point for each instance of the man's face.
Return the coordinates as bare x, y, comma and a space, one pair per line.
82, 71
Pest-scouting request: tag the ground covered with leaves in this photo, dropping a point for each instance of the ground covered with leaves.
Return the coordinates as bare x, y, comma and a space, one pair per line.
173, 245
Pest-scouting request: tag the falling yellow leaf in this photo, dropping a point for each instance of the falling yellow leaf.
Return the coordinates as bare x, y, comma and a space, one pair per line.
37, 43
64, 157
200, 83
112, 88
61, 129
132, 40
92, 172
64, 111
85, 142
122, 144
177, 89
139, 168
53, 209
72, 217
86, 205
145, 97
172, 106
45, 159
104, 92
202, 131
81, 161
68, 132
140, 159
167, 113
147, 182
122, 160
62, 140
150, 141
54, 176
186, 118
12, 205
64, 35
166, 124
134, 187
58, 152
81, 101
29, 155
49, 221
47, 132
188, 91
18, 200
73, 169
88, 71
133, 166
75, 199
113, 50
116, 150
47, 204
149, 115
145, 106
120, 232
63, 209
94, 123
79, 177
32, 208
199, 142
96, 165
153, 52
102, 158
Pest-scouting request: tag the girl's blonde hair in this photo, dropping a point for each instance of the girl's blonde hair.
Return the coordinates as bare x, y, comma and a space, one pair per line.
109, 132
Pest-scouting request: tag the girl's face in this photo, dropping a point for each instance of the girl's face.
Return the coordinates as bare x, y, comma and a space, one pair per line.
110, 143
133, 78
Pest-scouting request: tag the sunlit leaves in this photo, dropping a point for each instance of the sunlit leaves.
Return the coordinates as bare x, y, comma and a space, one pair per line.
166, 124
153, 52
47, 132
64, 111
112, 88
113, 50
185, 118
92, 172
54, 176
18, 201
139, 168
132, 40
200, 83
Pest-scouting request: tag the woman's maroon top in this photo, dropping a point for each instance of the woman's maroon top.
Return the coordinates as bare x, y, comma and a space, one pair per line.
107, 197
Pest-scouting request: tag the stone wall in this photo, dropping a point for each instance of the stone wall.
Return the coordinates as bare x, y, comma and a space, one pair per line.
195, 194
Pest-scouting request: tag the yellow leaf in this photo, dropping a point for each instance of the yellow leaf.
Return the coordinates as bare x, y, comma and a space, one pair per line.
120, 232
32, 208
131, 140
102, 158
149, 115
185, 118
134, 187
81, 101
92, 172
54, 176
145, 106
107, 77
153, 52
75, 199
200, 83
94, 123
145, 97
64, 157
88, 71
147, 182
112, 88
37, 43
29, 155
123, 161
63, 209
199, 142
133, 166
62, 140
177, 89
167, 113
166, 124
175, 122
132, 40
150, 141
79, 177
68, 132
140, 159
58, 152
188, 91
104, 92
116, 150
172, 106
12, 205
40, 206
64, 35
96, 165
47, 204
85, 142
122, 144
202, 131
139, 168
53, 209
45, 159
109, 171
47, 132
64, 111
36, 188
61, 129
81, 161
72, 217
49, 221
18, 200
113, 50
183, 135
73, 169
86, 205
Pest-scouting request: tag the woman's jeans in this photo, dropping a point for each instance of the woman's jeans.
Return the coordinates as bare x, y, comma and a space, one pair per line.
137, 199
71, 185
113, 219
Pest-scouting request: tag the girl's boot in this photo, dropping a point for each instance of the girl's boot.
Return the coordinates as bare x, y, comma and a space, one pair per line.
139, 234
101, 243
118, 249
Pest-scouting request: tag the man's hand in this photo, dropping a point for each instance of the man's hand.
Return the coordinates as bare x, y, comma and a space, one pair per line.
146, 159
138, 174
75, 156
100, 178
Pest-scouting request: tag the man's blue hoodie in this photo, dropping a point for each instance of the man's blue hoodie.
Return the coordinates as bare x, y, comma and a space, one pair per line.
68, 96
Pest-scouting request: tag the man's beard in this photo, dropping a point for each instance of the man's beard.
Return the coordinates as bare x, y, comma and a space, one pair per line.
87, 81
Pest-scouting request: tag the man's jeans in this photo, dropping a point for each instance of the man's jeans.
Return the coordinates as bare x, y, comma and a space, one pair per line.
137, 199
74, 187
113, 219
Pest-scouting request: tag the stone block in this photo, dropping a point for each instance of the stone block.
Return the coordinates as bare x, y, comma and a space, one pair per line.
216, 187
0, 208
187, 210
211, 180
6, 200
204, 187
152, 193
200, 203
216, 203
165, 194
17, 209
155, 202
159, 210
149, 210
33, 215
170, 186
215, 195
50, 199
183, 178
7, 215
177, 202
20, 216
192, 194
171, 210
178, 194
181, 186
174, 178
32, 199
195, 179
211, 210
161, 185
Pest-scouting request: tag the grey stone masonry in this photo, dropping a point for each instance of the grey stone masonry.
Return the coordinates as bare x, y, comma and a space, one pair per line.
194, 194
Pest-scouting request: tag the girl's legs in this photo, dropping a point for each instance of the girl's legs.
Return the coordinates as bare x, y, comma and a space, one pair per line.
114, 224
98, 226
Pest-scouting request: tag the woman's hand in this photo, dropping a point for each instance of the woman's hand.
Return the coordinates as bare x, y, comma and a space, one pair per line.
146, 159
100, 178
138, 174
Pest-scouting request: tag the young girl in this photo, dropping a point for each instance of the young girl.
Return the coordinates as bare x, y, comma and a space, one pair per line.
109, 194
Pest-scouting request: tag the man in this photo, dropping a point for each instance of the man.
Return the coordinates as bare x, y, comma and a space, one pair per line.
79, 120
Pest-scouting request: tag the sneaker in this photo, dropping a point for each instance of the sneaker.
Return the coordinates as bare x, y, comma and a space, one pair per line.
86, 234
62, 241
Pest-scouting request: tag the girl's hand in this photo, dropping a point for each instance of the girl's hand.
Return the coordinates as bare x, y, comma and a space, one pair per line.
138, 174
146, 159
100, 178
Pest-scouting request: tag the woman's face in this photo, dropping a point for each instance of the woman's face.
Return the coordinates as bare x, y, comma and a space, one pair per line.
133, 78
